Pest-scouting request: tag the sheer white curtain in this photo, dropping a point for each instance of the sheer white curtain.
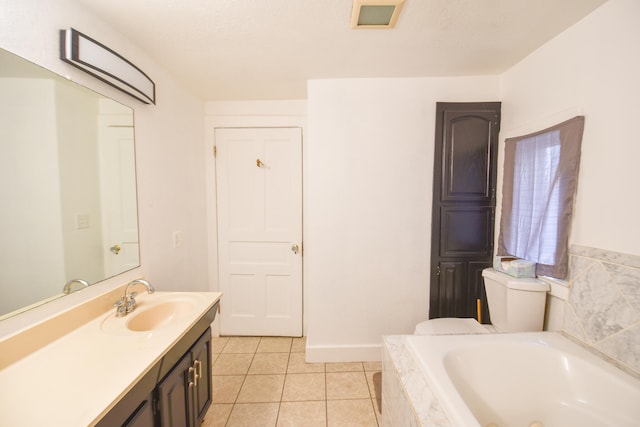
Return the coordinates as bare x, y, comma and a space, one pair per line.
539, 186
536, 199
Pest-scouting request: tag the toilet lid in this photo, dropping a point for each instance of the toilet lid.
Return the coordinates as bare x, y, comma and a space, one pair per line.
450, 325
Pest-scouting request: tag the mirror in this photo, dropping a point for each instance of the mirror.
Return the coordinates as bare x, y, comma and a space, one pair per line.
67, 185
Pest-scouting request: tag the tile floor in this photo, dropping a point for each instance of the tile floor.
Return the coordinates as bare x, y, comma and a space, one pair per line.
266, 382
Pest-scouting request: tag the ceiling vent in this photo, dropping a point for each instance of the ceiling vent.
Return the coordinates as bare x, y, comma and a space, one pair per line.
375, 13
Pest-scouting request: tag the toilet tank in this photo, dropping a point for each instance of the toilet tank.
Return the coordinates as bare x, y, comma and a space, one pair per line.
515, 304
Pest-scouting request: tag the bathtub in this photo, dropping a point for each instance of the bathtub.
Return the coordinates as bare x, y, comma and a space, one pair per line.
538, 379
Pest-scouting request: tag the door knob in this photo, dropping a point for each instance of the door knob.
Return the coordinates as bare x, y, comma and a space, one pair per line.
259, 163
116, 249
295, 248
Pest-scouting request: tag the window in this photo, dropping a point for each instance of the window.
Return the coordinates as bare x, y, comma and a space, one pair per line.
539, 186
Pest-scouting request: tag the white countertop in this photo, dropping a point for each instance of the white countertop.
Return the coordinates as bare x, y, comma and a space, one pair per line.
76, 379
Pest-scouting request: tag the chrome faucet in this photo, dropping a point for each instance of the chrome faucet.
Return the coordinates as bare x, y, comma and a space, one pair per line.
67, 287
127, 303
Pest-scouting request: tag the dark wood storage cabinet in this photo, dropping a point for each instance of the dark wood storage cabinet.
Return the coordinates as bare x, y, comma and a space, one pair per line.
463, 207
143, 415
176, 391
184, 395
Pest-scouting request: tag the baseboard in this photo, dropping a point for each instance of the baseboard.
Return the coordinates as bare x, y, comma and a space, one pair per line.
343, 353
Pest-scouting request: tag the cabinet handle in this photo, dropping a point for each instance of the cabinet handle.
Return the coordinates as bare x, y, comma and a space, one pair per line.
198, 365
191, 373
198, 370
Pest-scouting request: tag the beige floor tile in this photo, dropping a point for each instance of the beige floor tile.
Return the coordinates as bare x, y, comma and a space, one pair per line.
297, 365
377, 409
345, 367
241, 345
298, 387
347, 385
374, 380
372, 366
274, 345
214, 357
269, 363
299, 345
307, 414
232, 364
351, 413
225, 388
217, 415
261, 388
218, 343
253, 415
270, 382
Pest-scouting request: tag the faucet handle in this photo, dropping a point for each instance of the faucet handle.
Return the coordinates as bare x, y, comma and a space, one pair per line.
133, 294
121, 307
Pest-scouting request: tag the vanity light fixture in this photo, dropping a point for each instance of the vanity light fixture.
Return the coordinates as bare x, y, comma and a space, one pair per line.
375, 13
104, 64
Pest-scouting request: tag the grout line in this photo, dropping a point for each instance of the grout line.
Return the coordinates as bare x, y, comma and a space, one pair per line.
325, 373
326, 397
284, 382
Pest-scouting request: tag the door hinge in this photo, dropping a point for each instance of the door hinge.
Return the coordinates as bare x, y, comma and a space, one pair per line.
437, 270
215, 151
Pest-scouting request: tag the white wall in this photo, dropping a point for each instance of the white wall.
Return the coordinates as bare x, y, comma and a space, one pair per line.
77, 142
593, 69
368, 167
169, 146
26, 233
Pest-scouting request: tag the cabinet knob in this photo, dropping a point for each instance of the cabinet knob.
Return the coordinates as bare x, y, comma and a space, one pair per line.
191, 377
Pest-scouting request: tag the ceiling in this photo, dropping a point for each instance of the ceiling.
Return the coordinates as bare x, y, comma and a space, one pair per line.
268, 49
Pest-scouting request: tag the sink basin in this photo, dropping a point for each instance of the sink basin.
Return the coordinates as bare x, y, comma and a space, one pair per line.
158, 316
156, 312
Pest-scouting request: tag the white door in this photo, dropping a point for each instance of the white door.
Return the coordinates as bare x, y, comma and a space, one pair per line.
119, 207
259, 197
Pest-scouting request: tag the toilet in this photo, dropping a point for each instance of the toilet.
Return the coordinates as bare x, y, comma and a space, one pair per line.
515, 305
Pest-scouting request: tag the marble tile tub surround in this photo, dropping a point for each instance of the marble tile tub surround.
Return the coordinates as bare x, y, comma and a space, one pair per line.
407, 399
603, 308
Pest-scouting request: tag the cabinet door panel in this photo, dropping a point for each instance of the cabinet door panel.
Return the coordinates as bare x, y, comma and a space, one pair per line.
466, 156
201, 352
466, 232
143, 416
450, 284
173, 395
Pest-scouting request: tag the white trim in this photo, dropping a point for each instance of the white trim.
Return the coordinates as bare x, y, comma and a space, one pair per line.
343, 353
280, 108
244, 114
559, 288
